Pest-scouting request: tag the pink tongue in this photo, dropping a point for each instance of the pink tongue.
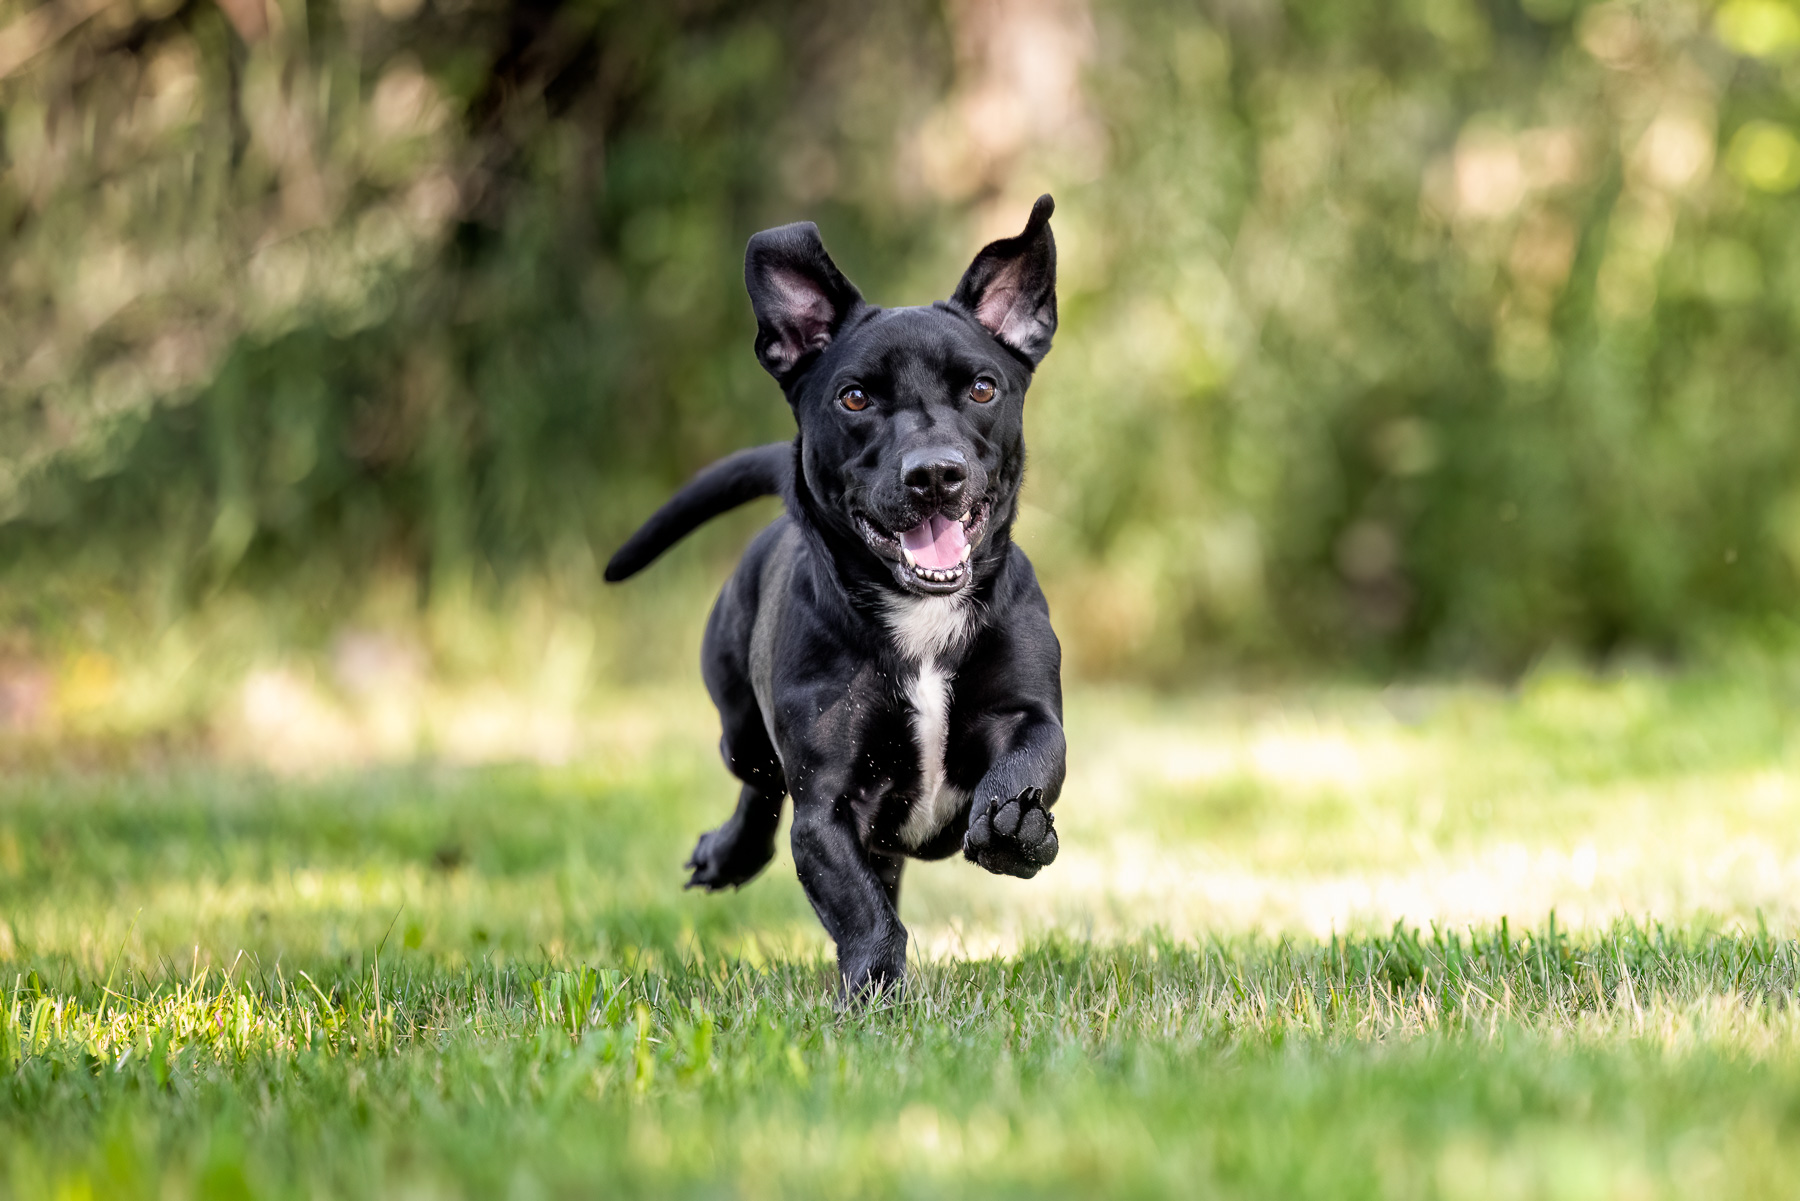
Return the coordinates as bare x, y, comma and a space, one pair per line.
936, 542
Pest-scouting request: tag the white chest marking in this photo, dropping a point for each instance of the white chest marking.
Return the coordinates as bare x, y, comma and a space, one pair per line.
937, 801
927, 628
925, 631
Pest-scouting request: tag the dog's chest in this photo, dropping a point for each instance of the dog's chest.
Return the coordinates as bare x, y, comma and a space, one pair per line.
927, 633
937, 800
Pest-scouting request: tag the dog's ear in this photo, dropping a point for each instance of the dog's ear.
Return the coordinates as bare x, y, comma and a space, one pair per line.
1011, 286
799, 295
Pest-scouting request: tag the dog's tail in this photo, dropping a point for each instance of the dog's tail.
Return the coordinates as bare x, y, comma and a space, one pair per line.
732, 481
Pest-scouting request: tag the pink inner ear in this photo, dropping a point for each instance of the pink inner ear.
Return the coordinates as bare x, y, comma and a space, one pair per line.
805, 312
998, 299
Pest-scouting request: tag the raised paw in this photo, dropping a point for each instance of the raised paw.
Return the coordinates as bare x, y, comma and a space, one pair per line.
727, 857
1014, 837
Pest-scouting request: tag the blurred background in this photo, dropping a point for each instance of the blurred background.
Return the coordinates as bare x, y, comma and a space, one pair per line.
341, 342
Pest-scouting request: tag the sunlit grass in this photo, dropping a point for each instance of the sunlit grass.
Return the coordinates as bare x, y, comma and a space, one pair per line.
1445, 942
1364, 1066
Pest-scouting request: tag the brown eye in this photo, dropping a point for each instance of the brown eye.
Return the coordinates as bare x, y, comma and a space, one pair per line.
983, 391
854, 399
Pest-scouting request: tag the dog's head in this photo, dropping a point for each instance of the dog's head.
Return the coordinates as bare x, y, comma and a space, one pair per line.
912, 420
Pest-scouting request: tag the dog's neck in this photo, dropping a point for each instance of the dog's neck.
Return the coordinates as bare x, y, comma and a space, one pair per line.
930, 629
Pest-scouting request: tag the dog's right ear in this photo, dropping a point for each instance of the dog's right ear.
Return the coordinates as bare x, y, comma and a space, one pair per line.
800, 297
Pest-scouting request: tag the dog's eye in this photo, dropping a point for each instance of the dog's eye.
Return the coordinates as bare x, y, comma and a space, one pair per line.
854, 399
983, 391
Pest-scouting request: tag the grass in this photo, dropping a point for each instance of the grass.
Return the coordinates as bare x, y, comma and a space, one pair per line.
1442, 942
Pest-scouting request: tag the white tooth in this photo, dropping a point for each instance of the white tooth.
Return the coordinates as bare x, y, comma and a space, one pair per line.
965, 552
908, 556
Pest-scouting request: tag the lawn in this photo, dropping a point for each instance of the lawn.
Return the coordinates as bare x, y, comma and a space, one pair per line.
1439, 941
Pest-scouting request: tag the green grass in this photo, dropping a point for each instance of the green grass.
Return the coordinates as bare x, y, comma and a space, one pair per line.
1441, 943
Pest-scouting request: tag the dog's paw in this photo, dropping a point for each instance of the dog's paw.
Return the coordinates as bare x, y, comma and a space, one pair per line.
869, 984
725, 858
1015, 837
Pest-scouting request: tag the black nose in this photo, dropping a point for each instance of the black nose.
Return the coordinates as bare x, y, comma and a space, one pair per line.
935, 475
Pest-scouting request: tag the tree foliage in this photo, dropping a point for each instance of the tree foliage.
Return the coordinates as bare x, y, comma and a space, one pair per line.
1433, 333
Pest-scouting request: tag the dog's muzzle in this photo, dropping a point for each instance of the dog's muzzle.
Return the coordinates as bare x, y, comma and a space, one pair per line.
932, 556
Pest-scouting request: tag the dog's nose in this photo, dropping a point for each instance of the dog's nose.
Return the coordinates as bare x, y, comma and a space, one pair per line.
935, 475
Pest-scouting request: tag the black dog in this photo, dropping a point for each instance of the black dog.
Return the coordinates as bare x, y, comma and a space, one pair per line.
883, 653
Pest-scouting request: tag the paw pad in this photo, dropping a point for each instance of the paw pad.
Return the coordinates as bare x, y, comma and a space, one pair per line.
1015, 837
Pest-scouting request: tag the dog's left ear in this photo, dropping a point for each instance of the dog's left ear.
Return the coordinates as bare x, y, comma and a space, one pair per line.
1011, 286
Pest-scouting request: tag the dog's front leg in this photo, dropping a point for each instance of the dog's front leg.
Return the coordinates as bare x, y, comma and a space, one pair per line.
847, 893
1011, 831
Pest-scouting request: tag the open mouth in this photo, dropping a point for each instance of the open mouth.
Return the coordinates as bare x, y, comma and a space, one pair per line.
934, 552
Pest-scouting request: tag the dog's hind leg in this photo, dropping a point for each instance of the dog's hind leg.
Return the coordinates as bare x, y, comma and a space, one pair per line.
732, 854
735, 852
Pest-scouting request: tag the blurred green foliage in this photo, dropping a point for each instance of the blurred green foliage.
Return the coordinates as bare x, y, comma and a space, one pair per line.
1434, 333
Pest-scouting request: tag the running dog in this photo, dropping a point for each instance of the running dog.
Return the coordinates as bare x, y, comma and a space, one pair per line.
883, 653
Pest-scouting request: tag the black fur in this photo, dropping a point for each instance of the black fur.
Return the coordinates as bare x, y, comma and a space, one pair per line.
833, 663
